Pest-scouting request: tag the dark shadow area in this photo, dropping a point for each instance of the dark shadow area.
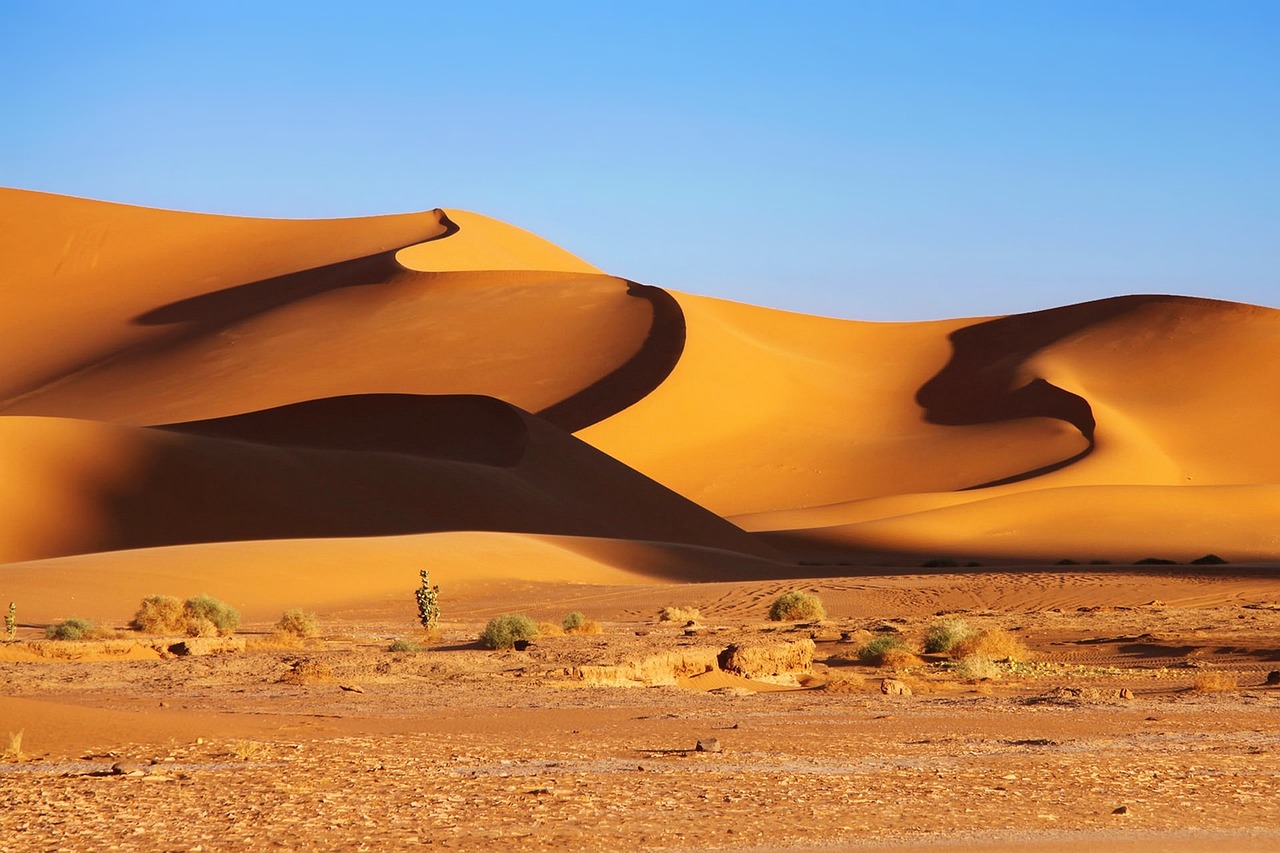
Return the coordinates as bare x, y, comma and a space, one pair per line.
464, 428
977, 385
636, 378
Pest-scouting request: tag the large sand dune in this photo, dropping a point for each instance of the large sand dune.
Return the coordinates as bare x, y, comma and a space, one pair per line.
285, 388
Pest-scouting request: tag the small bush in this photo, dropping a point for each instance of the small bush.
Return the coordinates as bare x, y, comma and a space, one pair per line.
204, 610
572, 621
70, 629
679, 614
502, 632
944, 634
405, 646
1214, 682
160, 614
977, 668
797, 606
295, 623
994, 643
875, 651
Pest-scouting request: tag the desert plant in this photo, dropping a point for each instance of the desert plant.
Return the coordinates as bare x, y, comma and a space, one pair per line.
1214, 682
160, 614
797, 606
994, 643
295, 623
401, 645
203, 611
69, 629
977, 668
13, 752
679, 614
945, 633
11, 622
572, 622
428, 598
874, 652
502, 632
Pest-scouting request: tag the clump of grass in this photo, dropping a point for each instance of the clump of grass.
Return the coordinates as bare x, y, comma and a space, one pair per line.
576, 623
70, 629
13, 752
943, 634
797, 606
248, 750
679, 614
994, 643
295, 623
1214, 682
977, 668
503, 631
876, 651
201, 609
402, 645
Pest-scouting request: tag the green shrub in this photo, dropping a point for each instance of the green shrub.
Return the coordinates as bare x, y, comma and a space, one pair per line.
502, 632
573, 621
875, 651
160, 614
797, 606
679, 614
295, 623
405, 646
204, 610
428, 598
944, 634
70, 629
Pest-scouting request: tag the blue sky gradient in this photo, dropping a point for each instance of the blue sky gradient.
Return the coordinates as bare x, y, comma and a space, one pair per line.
876, 160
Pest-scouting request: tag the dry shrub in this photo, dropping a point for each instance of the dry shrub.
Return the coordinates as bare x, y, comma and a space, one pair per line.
679, 614
875, 650
248, 750
996, 644
308, 672
797, 606
160, 614
977, 667
13, 752
587, 626
550, 629
504, 631
204, 608
943, 634
403, 645
756, 660
900, 658
295, 623
1214, 682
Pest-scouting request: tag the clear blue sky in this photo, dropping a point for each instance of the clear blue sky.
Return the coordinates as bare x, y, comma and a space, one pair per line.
887, 159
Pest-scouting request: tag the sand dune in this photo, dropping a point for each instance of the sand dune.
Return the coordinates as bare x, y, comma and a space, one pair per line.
181, 380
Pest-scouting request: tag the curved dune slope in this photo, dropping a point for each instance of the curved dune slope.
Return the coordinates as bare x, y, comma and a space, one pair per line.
361, 466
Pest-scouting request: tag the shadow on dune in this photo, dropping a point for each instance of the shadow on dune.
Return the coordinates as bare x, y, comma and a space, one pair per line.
977, 386
637, 377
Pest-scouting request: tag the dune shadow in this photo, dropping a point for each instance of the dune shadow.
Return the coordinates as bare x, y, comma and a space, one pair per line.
636, 378
978, 385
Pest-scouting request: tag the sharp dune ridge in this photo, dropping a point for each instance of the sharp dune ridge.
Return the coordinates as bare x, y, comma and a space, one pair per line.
174, 381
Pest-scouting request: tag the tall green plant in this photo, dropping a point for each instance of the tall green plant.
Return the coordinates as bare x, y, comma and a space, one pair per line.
428, 602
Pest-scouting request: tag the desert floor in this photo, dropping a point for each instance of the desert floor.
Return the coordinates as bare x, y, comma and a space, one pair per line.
1143, 722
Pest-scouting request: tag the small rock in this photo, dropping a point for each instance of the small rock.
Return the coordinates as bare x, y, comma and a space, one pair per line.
894, 687
522, 645
1126, 693
709, 745
127, 768
1273, 677
351, 688
1120, 810
541, 791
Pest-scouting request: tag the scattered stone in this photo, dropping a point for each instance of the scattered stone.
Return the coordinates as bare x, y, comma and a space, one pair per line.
1126, 693
522, 645
709, 745
540, 791
1273, 677
351, 688
894, 687
127, 768
1120, 810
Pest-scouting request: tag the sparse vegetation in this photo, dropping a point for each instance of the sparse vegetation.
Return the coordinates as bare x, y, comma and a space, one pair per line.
428, 598
977, 667
204, 611
945, 633
679, 614
401, 645
1214, 682
160, 614
13, 752
295, 623
248, 750
70, 629
996, 644
503, 631
875, 651
797, 606
576, 623
11, 622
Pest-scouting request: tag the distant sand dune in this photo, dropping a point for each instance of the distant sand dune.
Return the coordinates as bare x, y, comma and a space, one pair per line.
176, 381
